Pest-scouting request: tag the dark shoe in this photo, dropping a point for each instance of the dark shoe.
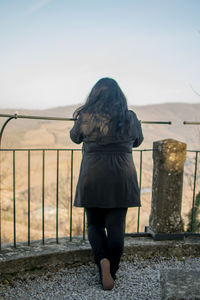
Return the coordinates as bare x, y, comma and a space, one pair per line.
107, 280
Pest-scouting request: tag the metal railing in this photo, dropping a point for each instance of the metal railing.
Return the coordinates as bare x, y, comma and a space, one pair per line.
17, 116
70, 153
43, 152
71, 179
196, 152
190, 123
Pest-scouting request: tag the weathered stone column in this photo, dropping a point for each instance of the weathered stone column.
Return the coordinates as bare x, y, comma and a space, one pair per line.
169, 156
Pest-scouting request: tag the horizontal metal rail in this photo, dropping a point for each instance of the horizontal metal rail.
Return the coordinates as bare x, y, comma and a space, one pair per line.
65, 149
191, 123
157, 122
16, 116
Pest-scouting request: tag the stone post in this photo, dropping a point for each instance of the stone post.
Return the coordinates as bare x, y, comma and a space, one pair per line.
168, 156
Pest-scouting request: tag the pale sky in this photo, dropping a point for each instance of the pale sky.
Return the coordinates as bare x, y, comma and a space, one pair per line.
53, 51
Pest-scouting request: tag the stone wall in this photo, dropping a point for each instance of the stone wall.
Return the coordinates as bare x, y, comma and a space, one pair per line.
77, 252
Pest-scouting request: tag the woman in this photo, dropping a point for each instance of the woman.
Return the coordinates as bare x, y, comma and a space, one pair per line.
107, 183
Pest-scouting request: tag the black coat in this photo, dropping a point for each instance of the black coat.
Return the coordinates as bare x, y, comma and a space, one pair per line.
107, 176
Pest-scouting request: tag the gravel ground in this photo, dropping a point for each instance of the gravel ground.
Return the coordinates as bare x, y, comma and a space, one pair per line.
139, 279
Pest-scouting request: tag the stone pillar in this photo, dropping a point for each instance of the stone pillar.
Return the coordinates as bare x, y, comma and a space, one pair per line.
169, 156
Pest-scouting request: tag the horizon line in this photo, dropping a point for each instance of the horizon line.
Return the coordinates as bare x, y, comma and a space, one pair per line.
80, 104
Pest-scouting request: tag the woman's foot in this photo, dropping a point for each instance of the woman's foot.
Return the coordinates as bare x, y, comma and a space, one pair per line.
107, 280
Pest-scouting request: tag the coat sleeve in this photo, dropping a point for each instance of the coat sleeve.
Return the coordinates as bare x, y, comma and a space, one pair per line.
75, 133
137, 132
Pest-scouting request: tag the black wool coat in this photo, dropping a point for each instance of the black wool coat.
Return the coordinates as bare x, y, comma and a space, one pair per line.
107, 176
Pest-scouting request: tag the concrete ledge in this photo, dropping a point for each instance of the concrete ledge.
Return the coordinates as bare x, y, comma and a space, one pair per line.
77, 252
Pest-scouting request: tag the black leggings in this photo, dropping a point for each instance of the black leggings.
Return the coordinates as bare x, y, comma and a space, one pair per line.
106, 234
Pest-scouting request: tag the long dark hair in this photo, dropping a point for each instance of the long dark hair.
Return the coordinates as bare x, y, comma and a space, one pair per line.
106, 101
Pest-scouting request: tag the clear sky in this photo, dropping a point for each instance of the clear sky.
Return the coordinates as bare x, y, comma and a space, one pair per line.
53, 51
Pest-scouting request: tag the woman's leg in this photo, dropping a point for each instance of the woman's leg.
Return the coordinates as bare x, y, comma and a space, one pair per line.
115, 225
96, 233
98, 240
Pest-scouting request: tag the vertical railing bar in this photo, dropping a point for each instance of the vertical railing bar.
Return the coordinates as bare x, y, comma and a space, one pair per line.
43, 179
14, 208
71, 198
0, 194
194, 190
57, 196
140, 186
84, 224
29, 195
67, 212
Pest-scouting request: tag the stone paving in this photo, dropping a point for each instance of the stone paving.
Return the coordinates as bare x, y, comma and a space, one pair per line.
138, 279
